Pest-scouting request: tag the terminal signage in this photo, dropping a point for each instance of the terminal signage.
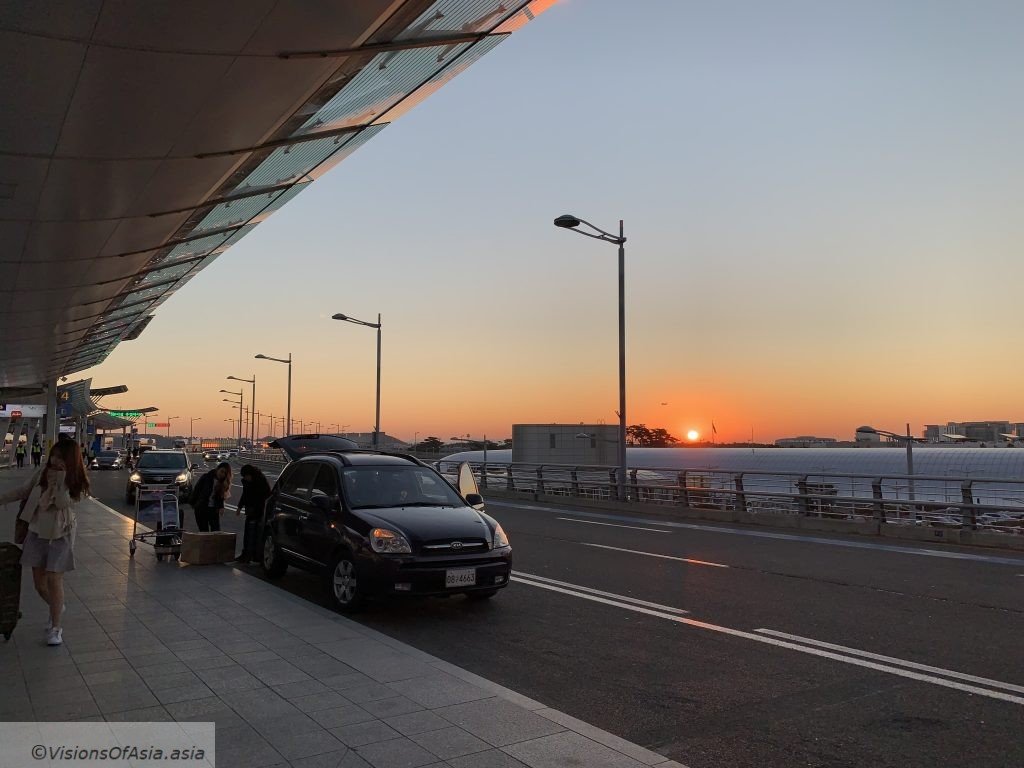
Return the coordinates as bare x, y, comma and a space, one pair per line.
126, 414
11, 411
158, 424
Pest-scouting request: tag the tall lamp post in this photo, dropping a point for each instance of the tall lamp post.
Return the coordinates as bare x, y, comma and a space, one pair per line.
289, 362
252, 405
908, 440
377, 325
191, 423
239, 404
169, 424
568, 221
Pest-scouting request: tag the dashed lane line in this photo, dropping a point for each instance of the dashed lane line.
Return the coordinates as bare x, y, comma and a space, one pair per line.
689, 560
612, 525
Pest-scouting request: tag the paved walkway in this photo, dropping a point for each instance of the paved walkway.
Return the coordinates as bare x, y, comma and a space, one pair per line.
286, 682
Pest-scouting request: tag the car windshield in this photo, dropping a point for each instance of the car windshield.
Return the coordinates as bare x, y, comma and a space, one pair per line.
107, 454
151, 460
378, 487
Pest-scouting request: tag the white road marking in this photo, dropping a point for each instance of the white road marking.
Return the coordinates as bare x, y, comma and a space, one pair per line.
892, 660
520, 576
654, 554
810, 650
611, 525
799, 538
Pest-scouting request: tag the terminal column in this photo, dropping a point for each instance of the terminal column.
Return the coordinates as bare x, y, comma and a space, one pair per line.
51, 414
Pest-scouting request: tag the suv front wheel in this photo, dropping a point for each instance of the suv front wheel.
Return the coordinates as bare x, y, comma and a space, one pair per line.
272, 559
344, 584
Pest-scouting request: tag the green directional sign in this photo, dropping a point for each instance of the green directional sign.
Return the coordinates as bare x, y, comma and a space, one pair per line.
126, 414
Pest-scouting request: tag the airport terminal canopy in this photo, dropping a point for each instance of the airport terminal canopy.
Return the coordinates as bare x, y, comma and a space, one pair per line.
138, 141
79, 399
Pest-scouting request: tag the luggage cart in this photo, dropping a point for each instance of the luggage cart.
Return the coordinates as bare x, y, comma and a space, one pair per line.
159, 504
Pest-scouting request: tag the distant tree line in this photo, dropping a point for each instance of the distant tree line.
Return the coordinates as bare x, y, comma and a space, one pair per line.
434, 444
642, 435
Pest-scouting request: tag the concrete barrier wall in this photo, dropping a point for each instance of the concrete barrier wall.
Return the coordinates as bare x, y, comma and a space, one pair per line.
864, 527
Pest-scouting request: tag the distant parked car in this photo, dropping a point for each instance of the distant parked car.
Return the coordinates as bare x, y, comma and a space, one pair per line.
377, 524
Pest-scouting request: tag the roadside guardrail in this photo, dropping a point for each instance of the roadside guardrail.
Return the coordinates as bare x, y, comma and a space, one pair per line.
955, 502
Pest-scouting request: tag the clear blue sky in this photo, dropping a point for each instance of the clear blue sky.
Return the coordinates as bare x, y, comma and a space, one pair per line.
823, 203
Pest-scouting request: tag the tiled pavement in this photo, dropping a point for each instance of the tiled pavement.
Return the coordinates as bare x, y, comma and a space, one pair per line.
287, 682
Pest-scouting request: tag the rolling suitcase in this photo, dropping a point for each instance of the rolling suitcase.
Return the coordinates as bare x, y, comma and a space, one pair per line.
10, 587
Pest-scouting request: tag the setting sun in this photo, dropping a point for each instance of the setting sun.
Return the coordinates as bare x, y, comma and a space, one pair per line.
692, 435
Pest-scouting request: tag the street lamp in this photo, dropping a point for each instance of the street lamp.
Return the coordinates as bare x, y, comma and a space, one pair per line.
239, 404
252, 405
289, 362
169, 424
568, 221
191, 422
908, 439
377, 325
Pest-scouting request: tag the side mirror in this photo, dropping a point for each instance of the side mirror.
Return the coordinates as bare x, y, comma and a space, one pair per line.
324, 503
475, 500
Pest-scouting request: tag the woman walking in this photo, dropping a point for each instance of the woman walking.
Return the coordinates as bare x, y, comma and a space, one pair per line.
208, 497
255, 492
49, 513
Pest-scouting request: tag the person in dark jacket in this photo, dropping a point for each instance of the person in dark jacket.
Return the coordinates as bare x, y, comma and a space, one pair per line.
255, 492
208, 497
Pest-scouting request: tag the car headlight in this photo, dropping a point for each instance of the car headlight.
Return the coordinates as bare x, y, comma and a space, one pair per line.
500, 539
182, 478
136, 477
389, 542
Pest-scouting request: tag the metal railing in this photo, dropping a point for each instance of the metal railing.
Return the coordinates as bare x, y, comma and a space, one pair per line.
995, 504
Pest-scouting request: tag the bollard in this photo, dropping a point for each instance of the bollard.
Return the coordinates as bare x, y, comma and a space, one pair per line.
969, 519
803, 502
876, 493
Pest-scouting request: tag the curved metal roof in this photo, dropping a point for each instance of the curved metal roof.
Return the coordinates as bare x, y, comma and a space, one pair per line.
139, 141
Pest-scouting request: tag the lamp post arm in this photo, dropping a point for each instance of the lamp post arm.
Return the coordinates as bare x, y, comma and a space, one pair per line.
608, 237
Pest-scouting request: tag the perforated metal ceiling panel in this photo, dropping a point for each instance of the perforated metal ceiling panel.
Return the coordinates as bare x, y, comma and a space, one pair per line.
140, 141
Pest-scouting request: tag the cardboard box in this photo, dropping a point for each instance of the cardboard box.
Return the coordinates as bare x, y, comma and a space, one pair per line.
207, 548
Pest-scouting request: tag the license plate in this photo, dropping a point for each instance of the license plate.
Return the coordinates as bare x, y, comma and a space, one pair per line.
460, 577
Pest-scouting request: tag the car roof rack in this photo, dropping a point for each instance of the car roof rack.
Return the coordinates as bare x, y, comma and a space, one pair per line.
341, 452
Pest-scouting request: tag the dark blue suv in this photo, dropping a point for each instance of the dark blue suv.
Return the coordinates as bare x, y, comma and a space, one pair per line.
380, 524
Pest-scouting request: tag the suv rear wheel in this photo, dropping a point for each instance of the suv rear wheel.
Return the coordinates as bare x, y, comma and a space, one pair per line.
344, 584
272, 560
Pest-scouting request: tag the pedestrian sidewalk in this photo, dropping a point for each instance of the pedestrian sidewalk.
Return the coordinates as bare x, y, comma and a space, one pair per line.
287, 683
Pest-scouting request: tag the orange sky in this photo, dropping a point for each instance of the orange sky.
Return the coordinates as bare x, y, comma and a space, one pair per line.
824, 231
